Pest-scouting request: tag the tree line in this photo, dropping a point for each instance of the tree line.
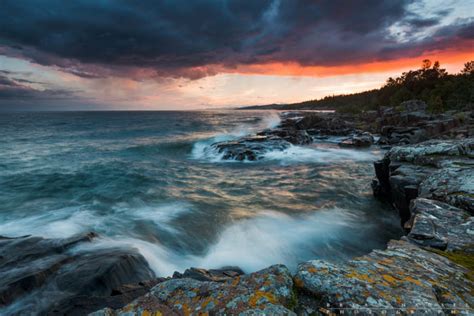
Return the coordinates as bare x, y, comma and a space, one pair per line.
431, 83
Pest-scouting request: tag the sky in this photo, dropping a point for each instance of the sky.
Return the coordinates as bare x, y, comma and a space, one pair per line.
201, 54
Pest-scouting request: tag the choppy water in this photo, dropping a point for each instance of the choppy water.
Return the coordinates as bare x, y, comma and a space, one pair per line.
147, 179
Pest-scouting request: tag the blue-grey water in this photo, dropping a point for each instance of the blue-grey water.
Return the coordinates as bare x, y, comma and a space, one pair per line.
149, 180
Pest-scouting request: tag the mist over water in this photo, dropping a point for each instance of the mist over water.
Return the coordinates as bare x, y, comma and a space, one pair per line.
150, 181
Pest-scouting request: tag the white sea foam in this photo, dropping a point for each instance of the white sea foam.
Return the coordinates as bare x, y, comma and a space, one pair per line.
274, 237
162, 215
320, 155
202, 149
66, 222
251, 244
59, 223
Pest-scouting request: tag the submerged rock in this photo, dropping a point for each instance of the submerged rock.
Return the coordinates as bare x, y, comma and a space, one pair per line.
34, 267
266, 292
404, 277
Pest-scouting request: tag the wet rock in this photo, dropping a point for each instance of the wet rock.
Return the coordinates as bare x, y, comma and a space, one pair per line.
216, 275
119, 297
440, 225
362, 140
266, 292
291, 135
254, 147
250, 148
401, 277
34, 267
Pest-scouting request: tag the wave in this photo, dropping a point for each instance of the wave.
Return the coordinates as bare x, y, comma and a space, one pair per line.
292, 154
69, 221
251, 243
274, 237
202, 149
320, 155
254, 243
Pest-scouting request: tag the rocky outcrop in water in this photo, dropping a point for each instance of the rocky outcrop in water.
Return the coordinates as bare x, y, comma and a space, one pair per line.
254, 147
53, 267
409, 123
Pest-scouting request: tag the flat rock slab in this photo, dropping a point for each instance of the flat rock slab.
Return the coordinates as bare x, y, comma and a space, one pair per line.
401, 277
440, 225
452, 184
266, 292
441, 170
430, 152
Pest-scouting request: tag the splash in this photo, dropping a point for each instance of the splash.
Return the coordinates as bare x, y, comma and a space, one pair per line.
300, 154
254, 243
202, 149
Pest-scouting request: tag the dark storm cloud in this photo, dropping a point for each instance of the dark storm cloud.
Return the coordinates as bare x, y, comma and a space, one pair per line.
15, 88
175, 38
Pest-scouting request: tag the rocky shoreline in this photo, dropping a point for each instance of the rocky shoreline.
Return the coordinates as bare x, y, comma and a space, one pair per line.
429, 271
427, 174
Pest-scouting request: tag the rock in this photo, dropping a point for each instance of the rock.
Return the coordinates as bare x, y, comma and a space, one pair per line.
293, 136
216, 275
119, 297
47, 267
413, 124
431, 152
414, 105
326, 124
404, 181
437, 169
254, 147
362, 140
452, 184
440, 225
399, 278
250, 148
266, 292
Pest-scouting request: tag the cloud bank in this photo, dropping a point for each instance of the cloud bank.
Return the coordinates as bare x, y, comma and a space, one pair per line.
194, 39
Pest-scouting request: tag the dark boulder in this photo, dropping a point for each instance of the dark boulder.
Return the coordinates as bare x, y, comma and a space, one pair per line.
254, 147
216, 275
35, 269
249, 148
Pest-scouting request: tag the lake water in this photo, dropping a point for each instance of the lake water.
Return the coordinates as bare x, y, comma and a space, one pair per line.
148, 180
